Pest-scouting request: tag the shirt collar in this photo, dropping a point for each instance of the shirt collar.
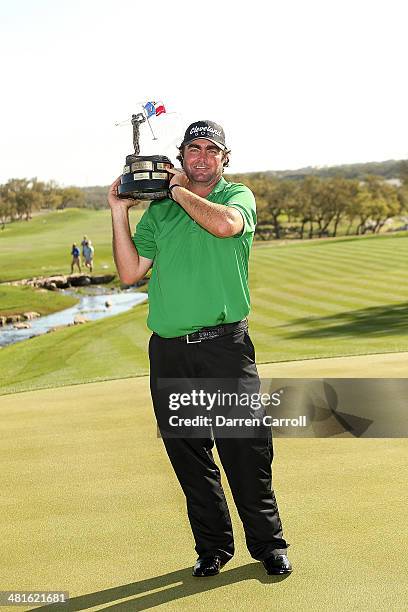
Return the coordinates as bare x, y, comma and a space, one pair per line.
218, 187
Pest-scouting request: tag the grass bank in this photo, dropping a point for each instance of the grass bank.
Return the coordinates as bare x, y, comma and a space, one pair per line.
309, 300
42, 246
17, 300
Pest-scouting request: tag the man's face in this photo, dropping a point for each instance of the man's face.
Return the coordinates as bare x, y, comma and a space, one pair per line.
203, 161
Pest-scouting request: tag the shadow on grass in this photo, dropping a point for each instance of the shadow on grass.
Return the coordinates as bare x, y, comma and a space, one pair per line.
367, 322
179, 584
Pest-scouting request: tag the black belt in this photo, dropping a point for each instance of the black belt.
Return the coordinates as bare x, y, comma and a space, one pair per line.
209, 333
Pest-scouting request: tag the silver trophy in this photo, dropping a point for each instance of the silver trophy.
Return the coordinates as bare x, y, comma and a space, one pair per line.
144, 177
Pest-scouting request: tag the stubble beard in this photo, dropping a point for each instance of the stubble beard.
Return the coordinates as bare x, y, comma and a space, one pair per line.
211, 180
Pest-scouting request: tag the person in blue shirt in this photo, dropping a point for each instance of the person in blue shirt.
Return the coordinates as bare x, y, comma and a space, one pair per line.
76, 261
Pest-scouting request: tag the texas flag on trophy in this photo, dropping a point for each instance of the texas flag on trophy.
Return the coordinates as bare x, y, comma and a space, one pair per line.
154, 108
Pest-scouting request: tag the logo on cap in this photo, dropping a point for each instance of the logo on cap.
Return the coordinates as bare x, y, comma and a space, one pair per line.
205, 129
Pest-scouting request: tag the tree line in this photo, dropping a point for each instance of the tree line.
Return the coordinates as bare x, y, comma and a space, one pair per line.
316, 206
387, 169
20, 198
307, 207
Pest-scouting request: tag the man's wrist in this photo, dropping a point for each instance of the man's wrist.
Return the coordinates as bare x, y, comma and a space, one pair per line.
119, 211
171, 188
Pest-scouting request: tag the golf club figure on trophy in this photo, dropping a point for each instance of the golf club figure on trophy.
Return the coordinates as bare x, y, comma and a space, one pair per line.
145, 177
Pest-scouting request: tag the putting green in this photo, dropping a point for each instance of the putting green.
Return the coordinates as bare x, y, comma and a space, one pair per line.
90, 505
387, 365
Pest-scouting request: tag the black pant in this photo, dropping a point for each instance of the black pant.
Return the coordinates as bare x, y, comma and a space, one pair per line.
247, 461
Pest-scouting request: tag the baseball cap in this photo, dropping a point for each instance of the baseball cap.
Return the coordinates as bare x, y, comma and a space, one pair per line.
205, 129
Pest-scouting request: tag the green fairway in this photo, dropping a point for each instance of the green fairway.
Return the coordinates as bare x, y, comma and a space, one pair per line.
311, 299
91, 506
16, 300
42, 246
337, 297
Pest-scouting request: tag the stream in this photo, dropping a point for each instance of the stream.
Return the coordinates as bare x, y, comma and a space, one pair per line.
90, 306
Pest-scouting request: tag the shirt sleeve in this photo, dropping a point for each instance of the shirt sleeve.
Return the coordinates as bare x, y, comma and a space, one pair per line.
244, 200
143, 238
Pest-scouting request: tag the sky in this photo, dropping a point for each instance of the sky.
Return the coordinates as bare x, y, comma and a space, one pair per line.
293, 83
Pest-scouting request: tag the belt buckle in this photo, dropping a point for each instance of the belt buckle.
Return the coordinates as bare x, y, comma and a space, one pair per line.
191, 341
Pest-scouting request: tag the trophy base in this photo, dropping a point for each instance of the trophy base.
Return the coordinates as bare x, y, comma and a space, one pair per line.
145, 177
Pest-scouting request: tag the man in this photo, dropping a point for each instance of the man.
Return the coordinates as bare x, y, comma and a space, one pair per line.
83, 245
88, 252
76, 261
197, 243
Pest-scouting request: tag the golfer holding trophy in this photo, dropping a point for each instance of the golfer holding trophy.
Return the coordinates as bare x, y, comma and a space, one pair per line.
196, 236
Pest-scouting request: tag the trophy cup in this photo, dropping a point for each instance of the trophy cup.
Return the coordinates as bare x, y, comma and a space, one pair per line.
144, 177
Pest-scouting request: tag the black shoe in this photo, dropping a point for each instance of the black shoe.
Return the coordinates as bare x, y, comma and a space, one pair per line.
277, 564
207, 566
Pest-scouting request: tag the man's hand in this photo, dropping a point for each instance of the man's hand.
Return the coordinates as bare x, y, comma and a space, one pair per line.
115, 202
179, 178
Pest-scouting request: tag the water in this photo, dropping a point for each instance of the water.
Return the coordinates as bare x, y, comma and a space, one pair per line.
91, 306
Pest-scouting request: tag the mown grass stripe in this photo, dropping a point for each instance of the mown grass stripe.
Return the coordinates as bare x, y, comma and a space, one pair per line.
374, 263
306, 307
308, 270
350, 294
393, 286
313, 268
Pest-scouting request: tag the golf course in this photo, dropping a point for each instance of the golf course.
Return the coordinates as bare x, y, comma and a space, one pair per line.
311, 299
90, 502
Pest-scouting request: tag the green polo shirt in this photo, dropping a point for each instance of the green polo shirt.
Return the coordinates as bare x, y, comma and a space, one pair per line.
198, 280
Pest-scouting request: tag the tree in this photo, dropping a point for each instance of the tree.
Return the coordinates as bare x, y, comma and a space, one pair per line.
302, 205
383, 201
71, 197
403, 172
6, 207
275, 197
330, 203
51, 194
345, 193
21, 198
361, 209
